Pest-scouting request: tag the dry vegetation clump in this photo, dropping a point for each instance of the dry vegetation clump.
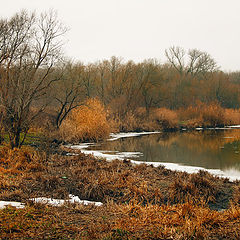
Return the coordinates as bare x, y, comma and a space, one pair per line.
141, 201
16, 165
165, 118
136, 121
204, 115
212, 115
86, 123
200, 187
182, 221
100, 180
232, 116
129, 122
131, 220
17, 160
198, 115
35, 222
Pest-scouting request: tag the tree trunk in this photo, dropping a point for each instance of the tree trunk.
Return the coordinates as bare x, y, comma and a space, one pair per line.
14, 137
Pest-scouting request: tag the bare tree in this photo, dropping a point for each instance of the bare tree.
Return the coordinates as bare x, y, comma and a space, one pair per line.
69, 92
30, 47
193, 62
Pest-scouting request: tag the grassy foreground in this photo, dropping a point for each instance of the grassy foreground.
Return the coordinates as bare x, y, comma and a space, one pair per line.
140, 201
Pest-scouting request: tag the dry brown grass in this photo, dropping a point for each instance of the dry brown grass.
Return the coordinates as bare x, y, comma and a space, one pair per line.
120, 221
208, 115
141, 201
165, 118
232, 116
86, 123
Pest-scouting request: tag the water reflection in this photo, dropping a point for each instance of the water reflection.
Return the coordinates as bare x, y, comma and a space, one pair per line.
209, 149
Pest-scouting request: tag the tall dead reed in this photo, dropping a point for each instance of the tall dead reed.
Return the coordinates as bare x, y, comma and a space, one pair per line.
86, 123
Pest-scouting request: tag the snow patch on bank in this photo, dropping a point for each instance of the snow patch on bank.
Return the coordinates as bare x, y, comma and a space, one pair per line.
110, 155
234, 126
116, 136
59, 202
4, 204
232, 174
50, 201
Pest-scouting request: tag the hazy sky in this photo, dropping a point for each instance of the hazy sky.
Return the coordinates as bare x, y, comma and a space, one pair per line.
141, 29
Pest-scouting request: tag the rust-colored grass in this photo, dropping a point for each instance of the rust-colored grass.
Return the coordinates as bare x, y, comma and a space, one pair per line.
140, 201
208, 115
86, 123
120, 221
166, 118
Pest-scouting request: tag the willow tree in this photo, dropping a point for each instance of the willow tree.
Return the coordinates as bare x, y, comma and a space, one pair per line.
30, 47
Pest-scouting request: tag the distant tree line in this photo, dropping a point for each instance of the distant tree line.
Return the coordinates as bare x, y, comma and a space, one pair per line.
185, 80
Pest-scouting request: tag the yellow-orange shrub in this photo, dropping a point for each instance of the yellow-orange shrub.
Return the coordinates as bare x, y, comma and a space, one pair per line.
203, 114
167, 118
232, 116
86, 123
213, 115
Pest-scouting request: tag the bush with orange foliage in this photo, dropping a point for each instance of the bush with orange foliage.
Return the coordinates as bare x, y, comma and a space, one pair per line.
232, 116
166, 118
208, 115
86, 123
212, 115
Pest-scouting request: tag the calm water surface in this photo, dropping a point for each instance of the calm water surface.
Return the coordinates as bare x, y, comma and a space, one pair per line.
211, 149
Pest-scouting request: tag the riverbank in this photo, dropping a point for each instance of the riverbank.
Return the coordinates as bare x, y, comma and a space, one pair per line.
136, 199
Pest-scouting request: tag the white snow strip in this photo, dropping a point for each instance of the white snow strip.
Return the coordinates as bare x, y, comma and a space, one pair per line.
50, 201
232, 174
4, 204
59, 202
110, 157
170, 166
116, 136
82, 145
234, 126
219, 128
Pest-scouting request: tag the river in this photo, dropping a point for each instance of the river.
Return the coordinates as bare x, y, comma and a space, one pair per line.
216, 150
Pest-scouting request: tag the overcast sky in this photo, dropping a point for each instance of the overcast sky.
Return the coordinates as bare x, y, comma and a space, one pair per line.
142, 29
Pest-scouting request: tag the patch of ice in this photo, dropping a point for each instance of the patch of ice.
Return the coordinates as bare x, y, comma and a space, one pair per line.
82, 146
232, 174
59, 202
234, 126
110, 157
116, 136
219, 128
13, 204
51, 201
76, 199
181, 168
